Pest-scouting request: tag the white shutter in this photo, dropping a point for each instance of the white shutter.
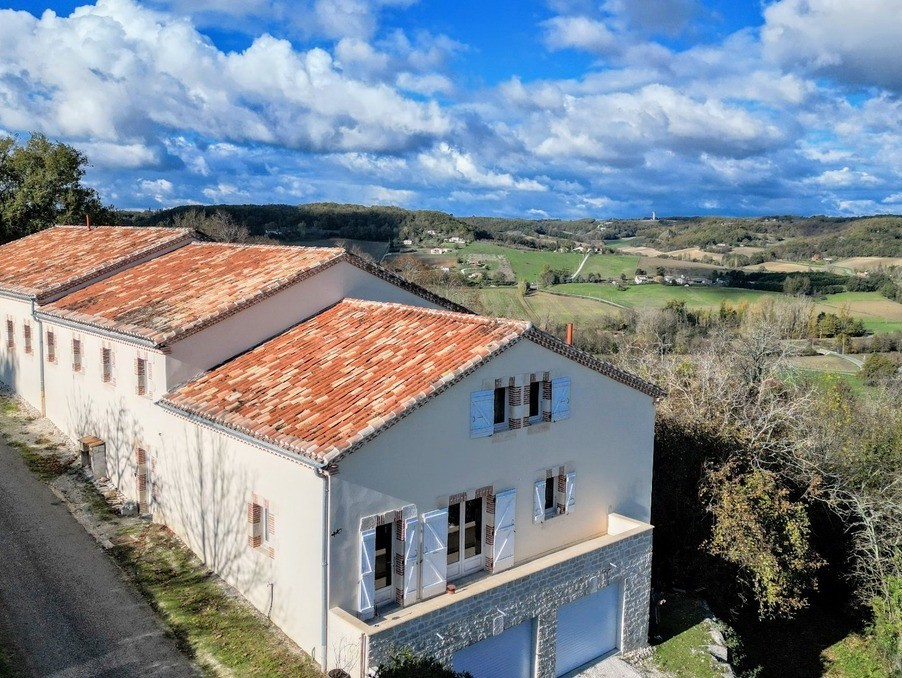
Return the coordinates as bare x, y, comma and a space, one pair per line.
538, 503
435, 552
505, 521
569, 486
411, 558
365, 609
482, 414
560, 398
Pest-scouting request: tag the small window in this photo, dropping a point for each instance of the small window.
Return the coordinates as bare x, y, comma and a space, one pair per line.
500, 409
26, 334
141, 371
550, 496
10, 335
107, 359
267, 537
76, 355
51, 346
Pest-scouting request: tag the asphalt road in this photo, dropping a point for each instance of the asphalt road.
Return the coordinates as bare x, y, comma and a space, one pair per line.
64, 606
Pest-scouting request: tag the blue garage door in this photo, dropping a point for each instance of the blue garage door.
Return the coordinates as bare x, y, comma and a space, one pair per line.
507, 655
587, 628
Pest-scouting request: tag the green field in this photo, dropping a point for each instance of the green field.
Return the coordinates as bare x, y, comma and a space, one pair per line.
657, 296
878, 313
528, 264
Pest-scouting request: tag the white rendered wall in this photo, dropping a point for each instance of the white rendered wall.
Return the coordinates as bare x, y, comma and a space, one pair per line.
20, 370
264, 320
429, 455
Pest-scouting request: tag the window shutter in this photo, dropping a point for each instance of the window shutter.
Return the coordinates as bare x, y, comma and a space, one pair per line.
365, 606
538, 506
568, 498
435, 552
482, 413
560, 398
411, 558
505, 522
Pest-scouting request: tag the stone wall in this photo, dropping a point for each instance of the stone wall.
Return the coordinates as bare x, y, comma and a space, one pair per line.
535, 596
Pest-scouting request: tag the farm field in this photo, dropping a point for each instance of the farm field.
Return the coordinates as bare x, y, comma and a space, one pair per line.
657, 296
869, 263
540, 307
649, 264
878, 313
528, 265
622, 243
831, 364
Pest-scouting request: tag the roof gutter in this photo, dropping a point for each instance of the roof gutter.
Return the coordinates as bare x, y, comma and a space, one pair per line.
85, 327
326, 476
243, 437
18, 296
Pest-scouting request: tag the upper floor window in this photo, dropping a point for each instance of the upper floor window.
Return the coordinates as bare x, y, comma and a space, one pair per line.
26, 335
76, 355
107, 362
51, 346
514, 406
141, 375
554, 494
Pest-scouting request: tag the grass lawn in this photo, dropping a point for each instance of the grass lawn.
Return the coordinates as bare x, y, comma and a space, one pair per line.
684, 634
853, 657
657, 296
878, 313
541, 306
528, 264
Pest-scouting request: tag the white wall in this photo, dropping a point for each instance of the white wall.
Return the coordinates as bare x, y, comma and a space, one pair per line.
205, 479
20, 370
266, 319
429, 455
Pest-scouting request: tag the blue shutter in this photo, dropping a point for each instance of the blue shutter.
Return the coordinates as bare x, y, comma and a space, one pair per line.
505, 523
367, 592
560, 398
482, 414
435, 553
538, 502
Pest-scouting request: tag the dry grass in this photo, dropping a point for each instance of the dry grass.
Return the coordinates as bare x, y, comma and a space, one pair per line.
868, 263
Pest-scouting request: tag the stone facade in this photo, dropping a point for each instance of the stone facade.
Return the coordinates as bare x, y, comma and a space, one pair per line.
536, 596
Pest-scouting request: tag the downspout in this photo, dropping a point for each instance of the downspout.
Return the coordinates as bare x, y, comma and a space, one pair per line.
40, 328
327, 531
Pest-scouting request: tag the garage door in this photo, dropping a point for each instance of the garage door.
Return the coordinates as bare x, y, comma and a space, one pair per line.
587, 628
507, 655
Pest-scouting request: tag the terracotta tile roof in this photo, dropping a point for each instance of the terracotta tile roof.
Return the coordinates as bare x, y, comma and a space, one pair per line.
53, 260
342, 376
182, 292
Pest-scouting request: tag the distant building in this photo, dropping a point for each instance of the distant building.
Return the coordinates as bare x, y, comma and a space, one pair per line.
408, 242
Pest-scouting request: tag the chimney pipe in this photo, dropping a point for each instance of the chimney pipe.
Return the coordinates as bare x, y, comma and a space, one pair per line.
569, 334
88, 221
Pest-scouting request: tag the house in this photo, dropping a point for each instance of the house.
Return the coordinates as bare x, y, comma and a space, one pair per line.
640, 279
44, 266
372, 466
408, 241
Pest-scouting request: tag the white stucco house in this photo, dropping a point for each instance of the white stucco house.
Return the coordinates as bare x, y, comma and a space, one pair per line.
372, 466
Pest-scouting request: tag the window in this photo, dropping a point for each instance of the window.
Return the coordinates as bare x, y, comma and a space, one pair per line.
261, 526
10, 335
500, 409
76, 355
464, 537
141, 373
26, 334
514, 406
267, 537
51, 346
554, 494
383, 561
107, 360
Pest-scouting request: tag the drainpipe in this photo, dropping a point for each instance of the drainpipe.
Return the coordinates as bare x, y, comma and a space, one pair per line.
40, 329
327, 532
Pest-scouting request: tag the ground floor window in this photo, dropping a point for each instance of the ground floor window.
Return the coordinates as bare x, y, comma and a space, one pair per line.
465, 536
382, 567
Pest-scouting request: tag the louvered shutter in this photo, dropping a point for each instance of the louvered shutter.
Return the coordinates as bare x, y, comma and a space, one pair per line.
538, 502
411, 558
482, 414
560, 398
254, 516
435, 552
505, 520
569, 485
365, 606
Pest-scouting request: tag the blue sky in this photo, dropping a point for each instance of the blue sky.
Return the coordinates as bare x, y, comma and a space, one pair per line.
561, 108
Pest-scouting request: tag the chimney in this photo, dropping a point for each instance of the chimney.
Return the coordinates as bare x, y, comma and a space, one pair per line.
88, 221
569, 334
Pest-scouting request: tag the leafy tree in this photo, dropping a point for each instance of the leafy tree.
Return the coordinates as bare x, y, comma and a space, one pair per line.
220, 226
879, 368
40, 185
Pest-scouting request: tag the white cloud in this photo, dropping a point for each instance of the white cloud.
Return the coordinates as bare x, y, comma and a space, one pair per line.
844, 178
579, 32
118, 72
855, 42
447, 163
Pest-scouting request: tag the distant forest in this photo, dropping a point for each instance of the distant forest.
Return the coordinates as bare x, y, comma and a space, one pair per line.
782, 237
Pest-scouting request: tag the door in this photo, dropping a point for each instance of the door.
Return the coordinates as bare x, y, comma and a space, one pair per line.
508, 655
465, 535
587, 629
